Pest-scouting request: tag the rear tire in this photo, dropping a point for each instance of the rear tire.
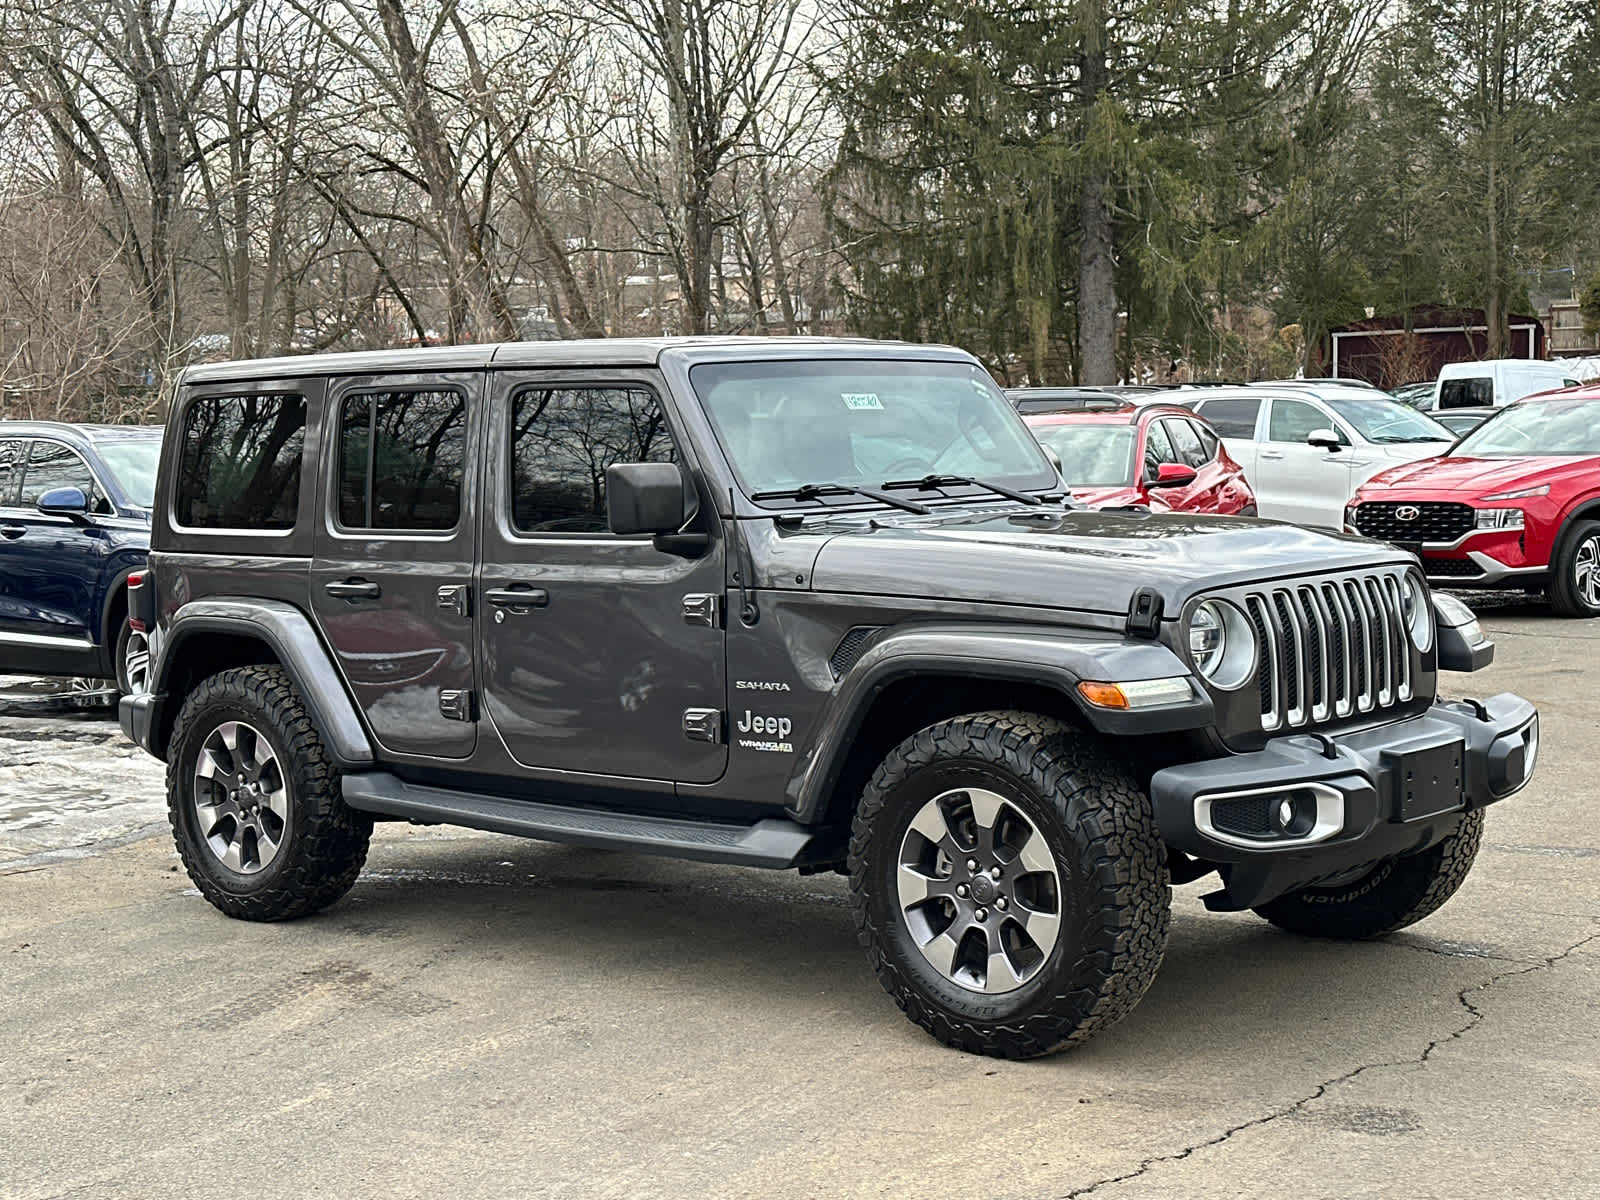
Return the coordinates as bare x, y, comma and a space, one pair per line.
1069, 889
131, 659
255, 803
1575, 572
1396, 893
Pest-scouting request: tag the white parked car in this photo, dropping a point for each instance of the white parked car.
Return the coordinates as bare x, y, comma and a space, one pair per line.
1306, 449
1497, 382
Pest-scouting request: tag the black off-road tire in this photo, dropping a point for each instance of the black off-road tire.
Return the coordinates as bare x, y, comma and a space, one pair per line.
1115, 899
1396, 893
326, 842
1566, 597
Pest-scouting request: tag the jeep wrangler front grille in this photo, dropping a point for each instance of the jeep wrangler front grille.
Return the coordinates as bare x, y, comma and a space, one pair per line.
1330, 649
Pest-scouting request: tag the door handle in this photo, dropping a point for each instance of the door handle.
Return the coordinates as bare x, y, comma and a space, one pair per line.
353, 589
1274, 454
13, 531
518, 595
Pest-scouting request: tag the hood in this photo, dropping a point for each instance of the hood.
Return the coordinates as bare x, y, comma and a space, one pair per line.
1078, 559
1472, 477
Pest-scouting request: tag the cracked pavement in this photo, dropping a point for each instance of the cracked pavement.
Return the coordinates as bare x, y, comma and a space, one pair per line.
489, 1017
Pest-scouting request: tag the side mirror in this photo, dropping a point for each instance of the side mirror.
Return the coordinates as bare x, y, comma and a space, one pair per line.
64, 502
1055, 459
1324, 439
645, 498
1170, 475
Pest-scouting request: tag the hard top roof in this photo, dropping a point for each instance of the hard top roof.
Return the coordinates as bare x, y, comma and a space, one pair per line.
579, 353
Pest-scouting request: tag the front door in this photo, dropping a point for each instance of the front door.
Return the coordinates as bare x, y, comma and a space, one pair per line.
52, 564
392, 574
1294, 481
600, 654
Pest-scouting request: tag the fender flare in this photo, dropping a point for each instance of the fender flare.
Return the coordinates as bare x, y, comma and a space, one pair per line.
1051, 657
119, 580
294, 641
1584, 510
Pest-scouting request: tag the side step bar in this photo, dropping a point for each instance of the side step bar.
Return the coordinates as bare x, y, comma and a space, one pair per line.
773, 842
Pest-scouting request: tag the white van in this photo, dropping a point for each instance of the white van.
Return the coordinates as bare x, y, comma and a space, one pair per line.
1496, 381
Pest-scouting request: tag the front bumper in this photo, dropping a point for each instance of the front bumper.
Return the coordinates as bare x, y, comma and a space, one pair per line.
1307, 807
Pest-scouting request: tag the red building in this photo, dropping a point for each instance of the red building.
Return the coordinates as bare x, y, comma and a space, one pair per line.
1395, 348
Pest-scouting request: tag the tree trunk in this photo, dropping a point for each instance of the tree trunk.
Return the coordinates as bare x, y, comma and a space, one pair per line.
1097, 282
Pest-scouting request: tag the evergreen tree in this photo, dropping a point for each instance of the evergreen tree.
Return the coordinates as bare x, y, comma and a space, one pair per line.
1009, 171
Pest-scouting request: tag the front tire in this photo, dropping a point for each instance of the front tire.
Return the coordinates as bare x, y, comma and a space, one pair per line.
1009, 887
254, 800
1395, 893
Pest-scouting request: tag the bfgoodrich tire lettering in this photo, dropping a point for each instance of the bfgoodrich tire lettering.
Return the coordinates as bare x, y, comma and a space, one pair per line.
1396, 893
1114, 902
323, 842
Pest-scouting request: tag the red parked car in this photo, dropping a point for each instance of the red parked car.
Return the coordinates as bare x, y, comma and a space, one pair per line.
1157, 455
1515, 503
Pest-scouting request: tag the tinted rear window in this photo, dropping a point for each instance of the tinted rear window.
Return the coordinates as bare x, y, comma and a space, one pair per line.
1466, 393
402, 456
239, 462
1232, 418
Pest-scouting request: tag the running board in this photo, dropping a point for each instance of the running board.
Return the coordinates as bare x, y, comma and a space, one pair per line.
773, 842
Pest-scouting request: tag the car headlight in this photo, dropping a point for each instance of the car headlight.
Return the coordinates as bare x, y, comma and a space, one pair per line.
1522, 493
1418, 613
1222, 644
1500, 518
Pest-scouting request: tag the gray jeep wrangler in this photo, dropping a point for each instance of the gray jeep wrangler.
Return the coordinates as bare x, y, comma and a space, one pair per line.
818, 604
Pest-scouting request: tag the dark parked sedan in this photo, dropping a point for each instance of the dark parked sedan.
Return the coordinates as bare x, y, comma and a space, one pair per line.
74, 524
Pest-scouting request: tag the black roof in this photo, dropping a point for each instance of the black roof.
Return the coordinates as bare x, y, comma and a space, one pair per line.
589, 352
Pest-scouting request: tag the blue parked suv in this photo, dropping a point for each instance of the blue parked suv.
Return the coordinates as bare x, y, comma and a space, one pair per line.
74, 523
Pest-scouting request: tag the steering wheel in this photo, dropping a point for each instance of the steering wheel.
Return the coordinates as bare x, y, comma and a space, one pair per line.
908, 468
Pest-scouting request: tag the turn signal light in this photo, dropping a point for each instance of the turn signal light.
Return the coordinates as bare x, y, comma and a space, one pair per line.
1137, 693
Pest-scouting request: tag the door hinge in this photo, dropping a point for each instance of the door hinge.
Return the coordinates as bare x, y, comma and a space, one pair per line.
456, 704
702, 724
703, 608
456, 598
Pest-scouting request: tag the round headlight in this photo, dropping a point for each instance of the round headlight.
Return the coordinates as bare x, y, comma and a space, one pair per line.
1222, 644
1418, 613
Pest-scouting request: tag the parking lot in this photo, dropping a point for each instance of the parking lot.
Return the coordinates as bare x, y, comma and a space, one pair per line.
484, 1016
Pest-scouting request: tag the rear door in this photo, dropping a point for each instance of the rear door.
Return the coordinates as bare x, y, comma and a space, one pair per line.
1235, 419
391, 575
601, 654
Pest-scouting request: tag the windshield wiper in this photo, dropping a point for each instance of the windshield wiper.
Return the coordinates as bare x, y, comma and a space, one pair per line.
928, 482
815, 491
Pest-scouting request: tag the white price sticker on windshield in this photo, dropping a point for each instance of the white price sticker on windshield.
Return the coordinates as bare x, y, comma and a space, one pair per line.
862, 400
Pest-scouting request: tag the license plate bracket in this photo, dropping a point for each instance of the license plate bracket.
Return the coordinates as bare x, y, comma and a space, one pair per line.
1426, 781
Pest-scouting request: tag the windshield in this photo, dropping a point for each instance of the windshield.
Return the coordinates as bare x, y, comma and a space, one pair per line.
865, 423
1381, 419
1091, 455
133, 462
1544, 427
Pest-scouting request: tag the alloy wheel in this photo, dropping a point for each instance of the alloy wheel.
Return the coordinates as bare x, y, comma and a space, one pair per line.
136, 663
979, 890
1586, 571
241, 798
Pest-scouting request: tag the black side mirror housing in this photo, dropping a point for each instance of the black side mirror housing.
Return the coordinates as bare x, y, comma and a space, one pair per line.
652, 498
64, 502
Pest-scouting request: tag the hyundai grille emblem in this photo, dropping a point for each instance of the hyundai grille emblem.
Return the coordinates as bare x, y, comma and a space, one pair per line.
1407, 512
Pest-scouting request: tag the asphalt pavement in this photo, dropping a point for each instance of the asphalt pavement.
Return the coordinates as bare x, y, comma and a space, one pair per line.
489, 1017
